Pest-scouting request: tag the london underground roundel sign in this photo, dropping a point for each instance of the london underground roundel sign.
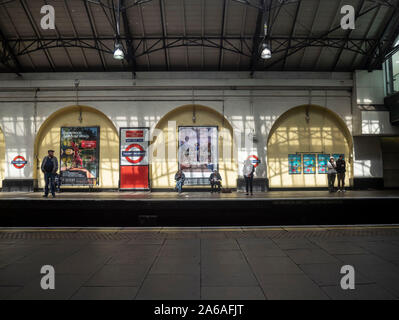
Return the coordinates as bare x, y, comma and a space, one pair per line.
19, 162
255, 160
134, 153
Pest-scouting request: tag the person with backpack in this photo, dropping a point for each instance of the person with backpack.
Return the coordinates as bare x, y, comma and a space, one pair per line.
49, 168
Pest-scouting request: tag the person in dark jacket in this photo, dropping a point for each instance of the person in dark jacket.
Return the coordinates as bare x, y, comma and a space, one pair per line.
216, 181
50, 168
180, 178
341, 173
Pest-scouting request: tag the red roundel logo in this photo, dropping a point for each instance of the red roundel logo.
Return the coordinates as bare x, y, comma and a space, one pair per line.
19, 162
134, 153
255, 160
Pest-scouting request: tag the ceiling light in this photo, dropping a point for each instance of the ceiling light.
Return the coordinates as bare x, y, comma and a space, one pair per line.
266, 52
118, 53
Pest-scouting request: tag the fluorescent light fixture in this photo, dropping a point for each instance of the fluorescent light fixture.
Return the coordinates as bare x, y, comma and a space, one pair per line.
266, 52
118, 53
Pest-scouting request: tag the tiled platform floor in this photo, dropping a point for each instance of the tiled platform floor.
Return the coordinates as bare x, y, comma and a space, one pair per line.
201, 263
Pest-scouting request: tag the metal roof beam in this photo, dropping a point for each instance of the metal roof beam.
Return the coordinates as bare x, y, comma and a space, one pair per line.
93, 31
298, 7
379, 51
323, 37
161, 8
8, 53
131, 58
257, 39
222, 34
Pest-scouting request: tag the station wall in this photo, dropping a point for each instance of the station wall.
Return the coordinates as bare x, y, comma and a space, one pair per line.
247, 107
2, 157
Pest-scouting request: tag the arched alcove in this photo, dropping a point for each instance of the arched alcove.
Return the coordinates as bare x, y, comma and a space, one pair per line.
49, 137
164, 147
2, 157
306, 130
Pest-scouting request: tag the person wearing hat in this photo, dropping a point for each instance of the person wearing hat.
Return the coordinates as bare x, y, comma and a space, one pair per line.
49, 168
216, 181
331, 174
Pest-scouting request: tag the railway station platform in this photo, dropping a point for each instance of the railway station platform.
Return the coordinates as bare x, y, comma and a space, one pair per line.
126, 209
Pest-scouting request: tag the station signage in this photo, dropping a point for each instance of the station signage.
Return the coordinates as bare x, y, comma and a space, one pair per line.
19, 162
134, 159
254, 160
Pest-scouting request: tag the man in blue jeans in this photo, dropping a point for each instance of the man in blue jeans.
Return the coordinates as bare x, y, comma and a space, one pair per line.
180, 178
49, 168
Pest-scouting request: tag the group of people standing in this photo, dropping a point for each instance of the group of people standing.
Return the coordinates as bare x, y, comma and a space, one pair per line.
336, 169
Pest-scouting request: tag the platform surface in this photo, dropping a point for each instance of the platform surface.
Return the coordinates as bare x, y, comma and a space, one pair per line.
201, 263
172, 196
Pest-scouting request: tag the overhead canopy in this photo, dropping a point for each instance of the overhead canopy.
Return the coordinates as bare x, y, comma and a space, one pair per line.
195, 35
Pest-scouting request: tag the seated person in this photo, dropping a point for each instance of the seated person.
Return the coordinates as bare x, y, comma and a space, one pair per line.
180, 178
215, 180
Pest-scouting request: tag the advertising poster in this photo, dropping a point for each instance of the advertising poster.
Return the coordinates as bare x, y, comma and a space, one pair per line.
198, 153
309, 164
322, 160
134, 159
294, 164
80, 155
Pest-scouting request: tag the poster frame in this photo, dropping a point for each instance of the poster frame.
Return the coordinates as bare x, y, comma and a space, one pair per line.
289, 164
318, 162
217, 147
89, 185
314, 156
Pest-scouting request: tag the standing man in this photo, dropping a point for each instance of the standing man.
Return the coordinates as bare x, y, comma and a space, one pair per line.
332, 174
49, 168
341, 170
215, 180
248, 173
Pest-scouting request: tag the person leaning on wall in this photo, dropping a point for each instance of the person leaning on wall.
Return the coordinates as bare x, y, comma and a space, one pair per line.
331, 174
49, 168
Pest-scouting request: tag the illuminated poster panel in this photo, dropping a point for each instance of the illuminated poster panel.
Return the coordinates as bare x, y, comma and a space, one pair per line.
80, 155
322, 160
198, 153
294, 164
309, 164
